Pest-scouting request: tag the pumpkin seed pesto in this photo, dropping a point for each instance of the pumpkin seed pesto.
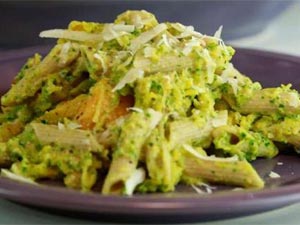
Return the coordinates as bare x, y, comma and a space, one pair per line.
140, 106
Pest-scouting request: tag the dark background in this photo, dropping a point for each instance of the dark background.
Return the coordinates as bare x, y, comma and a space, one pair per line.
21, 21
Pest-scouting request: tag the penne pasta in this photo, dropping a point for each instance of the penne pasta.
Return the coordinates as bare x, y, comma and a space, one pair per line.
239, 173
134, 133
33, 79
141, 106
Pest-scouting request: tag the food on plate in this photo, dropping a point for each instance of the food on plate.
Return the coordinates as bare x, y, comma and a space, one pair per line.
141, 106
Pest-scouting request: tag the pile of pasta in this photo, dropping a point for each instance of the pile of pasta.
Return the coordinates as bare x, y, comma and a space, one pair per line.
140, 106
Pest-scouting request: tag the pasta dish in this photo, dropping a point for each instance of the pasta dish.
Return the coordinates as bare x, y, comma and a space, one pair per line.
139, 106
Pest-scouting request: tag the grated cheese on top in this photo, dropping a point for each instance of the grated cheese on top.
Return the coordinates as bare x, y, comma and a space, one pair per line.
17, 177
220, 119
155, 117
113, 31
272, 174
99, 56
71, 35
191, 150
135, 109
137, 177
218, 32
131, 76
146, 36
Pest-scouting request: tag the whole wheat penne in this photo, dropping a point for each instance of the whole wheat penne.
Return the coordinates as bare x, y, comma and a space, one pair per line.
32, 81
232, 172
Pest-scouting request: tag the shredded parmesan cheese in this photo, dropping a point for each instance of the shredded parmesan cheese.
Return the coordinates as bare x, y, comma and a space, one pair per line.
210, 64
187, 31
199, 188
146, 36
149, 51
135, 179
191, 150
199, 89
218, 32
60, 126
13, 176
71, 35
131, 76
238, 189
135, 109
164, 40
293, 99
228, 76
190, 45
155, 117
274, 175
99, 56
113, 31
220, 119
72, 125
63, 56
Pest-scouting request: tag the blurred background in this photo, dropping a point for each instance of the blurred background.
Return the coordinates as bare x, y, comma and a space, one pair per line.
265, 24
21, 21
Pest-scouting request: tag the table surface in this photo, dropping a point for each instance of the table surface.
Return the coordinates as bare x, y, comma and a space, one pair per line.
282, 35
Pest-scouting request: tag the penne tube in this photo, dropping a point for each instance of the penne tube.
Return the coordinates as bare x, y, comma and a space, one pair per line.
286, 130
70, 138
272, 100
138, 105
232, 172
33, 79
134, 133
187, 130
234, 140
163, 171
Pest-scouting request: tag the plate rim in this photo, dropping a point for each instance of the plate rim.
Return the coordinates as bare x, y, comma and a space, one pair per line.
145, 204
97, 203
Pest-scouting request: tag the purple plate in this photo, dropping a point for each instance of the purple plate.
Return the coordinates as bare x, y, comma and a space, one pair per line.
184, 205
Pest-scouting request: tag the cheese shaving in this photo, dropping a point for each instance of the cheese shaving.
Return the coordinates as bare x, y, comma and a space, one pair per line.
113, 31
131, 76
164, 40
189, 46
146, 36
60, 126
210, 64
155, 117
135, 109
191, 150
220, 119
187, 31
135, 179
199, 188
13, 176
218, 32
149, 51
274, 175
63, 56
99, 56
199, 89
293, 99
71, 35
228, 76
